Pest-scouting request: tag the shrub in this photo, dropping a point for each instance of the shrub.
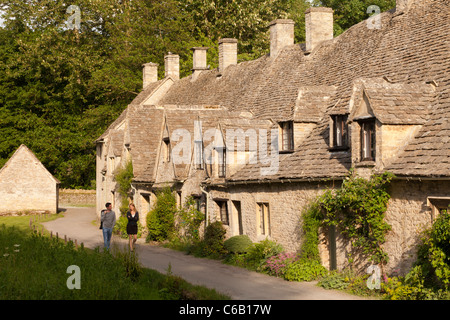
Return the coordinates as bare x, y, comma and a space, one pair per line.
190, 219
434, 253
305, 271
123, 177
258, 253
358, 209
334, 280
411, 287
213, 243
238, 244
278, 264
161, 220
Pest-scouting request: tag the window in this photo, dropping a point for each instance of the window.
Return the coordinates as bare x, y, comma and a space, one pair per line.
222, 168
340, 130
368, 140
166, 146
223, 211
198, 145
263, 218
198, 150
287, 135
438, 205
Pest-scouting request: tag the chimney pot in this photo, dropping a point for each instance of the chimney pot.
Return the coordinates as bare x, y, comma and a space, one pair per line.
319, 26
149, 73
172, 66
227, 53
281, 35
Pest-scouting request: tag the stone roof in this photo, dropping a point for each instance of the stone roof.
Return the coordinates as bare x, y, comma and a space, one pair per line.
394, 103
23, 149
410, 49
147, 125
402, 67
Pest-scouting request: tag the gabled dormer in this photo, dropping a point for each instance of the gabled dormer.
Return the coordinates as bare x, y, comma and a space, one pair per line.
384, 118
310, 107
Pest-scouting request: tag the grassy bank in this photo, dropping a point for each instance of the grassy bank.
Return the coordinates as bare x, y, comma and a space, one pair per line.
34, 266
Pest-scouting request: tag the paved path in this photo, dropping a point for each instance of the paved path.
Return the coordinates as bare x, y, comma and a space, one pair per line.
236, 282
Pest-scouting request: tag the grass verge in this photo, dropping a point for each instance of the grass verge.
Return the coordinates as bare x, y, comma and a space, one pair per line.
35, 267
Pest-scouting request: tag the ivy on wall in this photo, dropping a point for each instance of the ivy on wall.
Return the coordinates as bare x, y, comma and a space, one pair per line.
357, 209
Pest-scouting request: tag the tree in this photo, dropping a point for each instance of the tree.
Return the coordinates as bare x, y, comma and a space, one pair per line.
350, 12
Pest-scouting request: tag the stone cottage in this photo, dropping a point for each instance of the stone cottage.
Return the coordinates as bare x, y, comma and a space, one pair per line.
255, 141
26, 185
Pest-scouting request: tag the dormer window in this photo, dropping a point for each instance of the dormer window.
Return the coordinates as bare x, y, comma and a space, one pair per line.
198, 145
368, 140
222, 165
287, 136
166, 147
340, 132
198, 149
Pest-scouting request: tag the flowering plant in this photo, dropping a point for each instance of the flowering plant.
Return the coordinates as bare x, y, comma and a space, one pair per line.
277, 264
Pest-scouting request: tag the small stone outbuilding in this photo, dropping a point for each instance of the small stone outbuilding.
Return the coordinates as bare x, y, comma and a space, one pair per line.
26, 185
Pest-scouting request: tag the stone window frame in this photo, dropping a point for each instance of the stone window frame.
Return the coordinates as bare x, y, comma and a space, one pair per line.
222, 162
368, 125
166, 145
344, 135
437, 204
287, 136
198, 155
263, 218
222, 205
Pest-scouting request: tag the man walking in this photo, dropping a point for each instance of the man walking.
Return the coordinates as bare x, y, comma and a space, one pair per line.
108, 218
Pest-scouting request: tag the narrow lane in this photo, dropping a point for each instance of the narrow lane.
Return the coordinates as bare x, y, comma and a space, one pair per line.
239, 283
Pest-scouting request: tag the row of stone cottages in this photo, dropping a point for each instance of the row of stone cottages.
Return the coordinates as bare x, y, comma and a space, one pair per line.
255, 141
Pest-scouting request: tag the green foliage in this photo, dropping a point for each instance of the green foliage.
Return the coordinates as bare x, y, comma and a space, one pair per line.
349, 12
334, 280
434, 253
212, 244
412, 287
358, 209
161, 219
312, 220
277, 265
238, 244
60, 89
104, 276
190, 219
304, 270
258, 253
123, 177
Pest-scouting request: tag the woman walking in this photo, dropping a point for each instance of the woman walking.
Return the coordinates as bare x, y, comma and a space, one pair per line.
132, 226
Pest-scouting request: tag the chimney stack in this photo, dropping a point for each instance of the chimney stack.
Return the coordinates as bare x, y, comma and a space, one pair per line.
319, 26
172, 65
227, 53
149, 73
281, 35
199, 61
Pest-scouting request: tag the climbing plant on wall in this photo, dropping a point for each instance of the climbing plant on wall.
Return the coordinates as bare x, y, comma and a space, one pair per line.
358, 210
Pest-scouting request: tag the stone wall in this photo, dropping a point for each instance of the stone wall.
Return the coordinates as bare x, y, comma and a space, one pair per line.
409, 213
285, 202
73, 197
